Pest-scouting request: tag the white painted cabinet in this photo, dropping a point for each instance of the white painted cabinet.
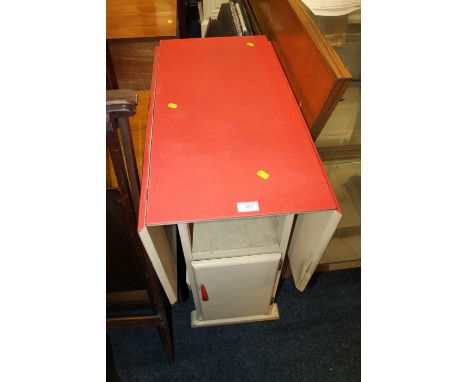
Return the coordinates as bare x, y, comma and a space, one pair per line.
234, 266
235, 286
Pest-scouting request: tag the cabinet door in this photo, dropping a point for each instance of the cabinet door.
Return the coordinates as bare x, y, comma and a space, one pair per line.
315, 73
236, 286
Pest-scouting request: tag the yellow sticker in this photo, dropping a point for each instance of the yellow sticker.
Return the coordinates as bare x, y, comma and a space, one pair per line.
262, 174
172, 105
250, 44
169, 21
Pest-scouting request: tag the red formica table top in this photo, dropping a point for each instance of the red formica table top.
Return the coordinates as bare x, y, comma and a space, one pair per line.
226, 138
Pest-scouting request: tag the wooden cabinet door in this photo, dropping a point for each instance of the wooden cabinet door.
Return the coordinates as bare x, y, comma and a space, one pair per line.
315, 73
235, 286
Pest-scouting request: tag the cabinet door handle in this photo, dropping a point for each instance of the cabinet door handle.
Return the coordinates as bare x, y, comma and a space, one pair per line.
204, 294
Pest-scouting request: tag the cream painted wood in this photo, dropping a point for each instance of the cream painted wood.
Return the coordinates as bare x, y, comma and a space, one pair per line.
236, 286
185, 240
235, 246
236, 237
157, 247
272, 315
284, 232
235, 252
345, 178
311, 235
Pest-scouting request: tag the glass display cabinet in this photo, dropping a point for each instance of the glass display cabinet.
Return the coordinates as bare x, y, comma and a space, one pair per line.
339, 143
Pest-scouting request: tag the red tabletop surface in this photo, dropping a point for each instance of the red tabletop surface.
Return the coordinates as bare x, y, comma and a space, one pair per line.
232, 115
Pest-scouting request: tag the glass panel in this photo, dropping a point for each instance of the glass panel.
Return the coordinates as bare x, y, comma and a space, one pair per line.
344, 125
345, 178
342, 249
344, 34
344, 129
350, 54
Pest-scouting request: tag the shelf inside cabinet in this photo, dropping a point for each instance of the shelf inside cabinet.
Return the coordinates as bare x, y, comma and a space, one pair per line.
236, 237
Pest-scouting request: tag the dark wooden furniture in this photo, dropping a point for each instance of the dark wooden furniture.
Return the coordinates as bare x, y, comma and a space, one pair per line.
133, 30
315, 73
140, 18
120, 105
122, 271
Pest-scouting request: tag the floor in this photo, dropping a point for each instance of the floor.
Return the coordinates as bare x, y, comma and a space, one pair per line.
317, 338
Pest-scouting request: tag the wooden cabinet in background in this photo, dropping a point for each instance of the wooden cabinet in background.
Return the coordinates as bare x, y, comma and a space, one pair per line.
315, 73
133, 30
339, 143
141, 19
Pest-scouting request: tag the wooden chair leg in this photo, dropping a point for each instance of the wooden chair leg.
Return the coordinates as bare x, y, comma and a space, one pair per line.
166, 339
111, 373
156, 298
129, 190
